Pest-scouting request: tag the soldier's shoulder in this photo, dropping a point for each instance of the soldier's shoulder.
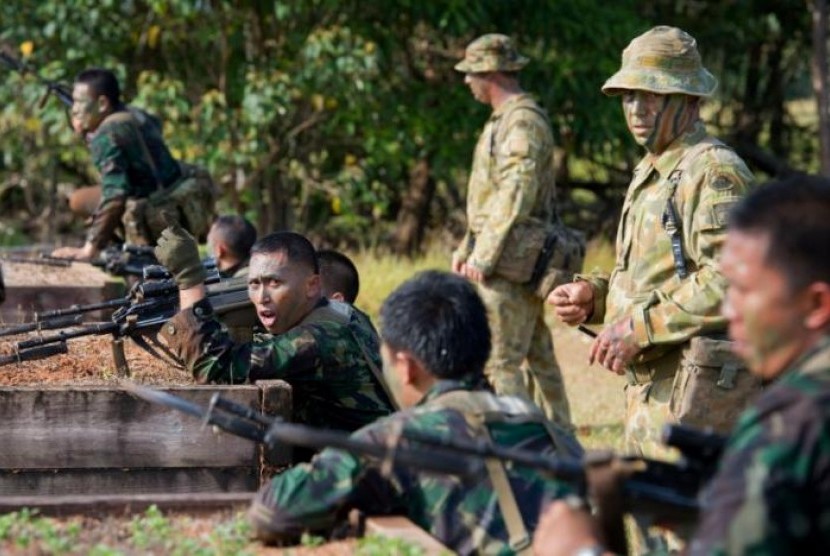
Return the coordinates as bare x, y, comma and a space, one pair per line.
720, 169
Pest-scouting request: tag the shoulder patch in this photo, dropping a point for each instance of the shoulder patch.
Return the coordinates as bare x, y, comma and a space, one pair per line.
723, 182
720, 212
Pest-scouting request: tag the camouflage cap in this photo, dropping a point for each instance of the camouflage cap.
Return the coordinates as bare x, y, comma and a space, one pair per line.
663, 60
492, 52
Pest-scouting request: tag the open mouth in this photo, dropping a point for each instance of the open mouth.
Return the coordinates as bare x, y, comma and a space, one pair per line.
267, 317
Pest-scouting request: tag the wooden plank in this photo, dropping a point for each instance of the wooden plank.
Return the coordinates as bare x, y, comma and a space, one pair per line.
105, 427
276, 402
115, 505
125, 481
400, 527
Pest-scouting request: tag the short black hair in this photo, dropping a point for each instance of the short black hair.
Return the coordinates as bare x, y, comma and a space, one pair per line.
102, 82
794, 213
339, 274
237, 233
298, 248
441, 320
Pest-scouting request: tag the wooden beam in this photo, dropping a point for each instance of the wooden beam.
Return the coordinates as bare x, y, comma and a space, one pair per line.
106, 427
126, 504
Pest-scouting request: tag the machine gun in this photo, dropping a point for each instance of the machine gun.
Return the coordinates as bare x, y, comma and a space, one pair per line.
120, 260
139, 316
61, 91
651, 488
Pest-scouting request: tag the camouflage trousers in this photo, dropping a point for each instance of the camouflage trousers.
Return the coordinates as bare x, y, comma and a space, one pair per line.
698, 384
522, 361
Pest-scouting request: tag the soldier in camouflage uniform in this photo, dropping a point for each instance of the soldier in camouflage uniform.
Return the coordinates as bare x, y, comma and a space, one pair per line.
135, 165
771, 494
229, 241
661, 304
331, 361
435, 344
509, 194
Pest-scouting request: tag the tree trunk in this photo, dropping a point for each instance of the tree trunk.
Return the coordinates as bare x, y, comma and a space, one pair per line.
820, 86
412, 217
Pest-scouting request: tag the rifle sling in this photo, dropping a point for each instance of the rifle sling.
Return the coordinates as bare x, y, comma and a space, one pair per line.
478, 409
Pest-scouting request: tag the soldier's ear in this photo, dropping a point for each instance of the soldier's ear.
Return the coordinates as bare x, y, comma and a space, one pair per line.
313, 286
818, 315
104, 104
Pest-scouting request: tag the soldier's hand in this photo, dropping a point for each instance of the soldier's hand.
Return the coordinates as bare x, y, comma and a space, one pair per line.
177, 250
573, 302
564, 530
615, 347
457, 266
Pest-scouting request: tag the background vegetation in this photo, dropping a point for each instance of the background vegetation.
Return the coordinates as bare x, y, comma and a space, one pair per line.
344, 119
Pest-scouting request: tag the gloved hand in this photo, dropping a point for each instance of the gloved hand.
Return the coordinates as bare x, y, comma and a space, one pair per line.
176, 249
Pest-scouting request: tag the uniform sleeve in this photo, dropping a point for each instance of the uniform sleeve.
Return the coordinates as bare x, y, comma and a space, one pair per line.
599, 283
517, 158
206, 348
768, 494
691, 306
111, 161
315, 496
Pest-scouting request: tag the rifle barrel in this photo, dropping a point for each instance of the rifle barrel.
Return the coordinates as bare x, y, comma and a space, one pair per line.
40, 261
49, 324
39, 352
77, 309
88, 330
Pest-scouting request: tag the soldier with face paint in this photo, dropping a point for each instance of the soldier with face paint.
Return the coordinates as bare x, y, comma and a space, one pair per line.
661, 304
771, 494
330, 358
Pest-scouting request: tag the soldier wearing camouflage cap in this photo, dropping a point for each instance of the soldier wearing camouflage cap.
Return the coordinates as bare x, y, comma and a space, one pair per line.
510, 197
661, 304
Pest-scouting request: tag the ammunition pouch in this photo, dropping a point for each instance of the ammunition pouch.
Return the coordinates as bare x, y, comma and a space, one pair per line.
541, 255
712, 386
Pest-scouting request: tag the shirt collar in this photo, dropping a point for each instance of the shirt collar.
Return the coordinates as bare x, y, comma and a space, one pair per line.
476, 382
667, 161
506, 105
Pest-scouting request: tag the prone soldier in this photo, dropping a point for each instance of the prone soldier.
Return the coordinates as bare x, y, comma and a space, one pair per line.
327, 355
229, 241
436, 341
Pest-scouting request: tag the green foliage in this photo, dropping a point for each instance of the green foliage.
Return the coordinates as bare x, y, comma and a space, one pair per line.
149, 533
311, 114
377, 545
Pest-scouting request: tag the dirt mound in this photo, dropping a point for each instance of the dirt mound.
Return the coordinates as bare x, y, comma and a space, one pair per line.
89, 362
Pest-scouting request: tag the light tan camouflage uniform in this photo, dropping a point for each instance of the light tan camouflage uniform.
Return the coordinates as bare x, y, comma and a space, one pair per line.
512, 184
674, 378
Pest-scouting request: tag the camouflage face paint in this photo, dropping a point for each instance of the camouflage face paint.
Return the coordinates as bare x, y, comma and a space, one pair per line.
282, 293
766, 319
657, 120
86, 111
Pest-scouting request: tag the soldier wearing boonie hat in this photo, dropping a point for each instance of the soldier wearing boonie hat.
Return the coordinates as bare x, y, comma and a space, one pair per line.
661, 305
510, 191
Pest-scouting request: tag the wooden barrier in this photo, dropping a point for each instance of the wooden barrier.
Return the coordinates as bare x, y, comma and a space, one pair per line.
102, 440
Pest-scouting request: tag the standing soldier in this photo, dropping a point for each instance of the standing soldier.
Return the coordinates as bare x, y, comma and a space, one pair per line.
661, 304
510, 199
142, 185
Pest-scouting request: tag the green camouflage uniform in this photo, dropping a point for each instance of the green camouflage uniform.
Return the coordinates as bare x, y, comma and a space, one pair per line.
463, 514
668, 311
771, 494
511, 184
127, 172
331, 361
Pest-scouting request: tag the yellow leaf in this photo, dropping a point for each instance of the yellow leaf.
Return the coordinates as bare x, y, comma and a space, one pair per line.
336, 205
32, 125
331, 103
317, 101
153, 34
26, 48
350, 160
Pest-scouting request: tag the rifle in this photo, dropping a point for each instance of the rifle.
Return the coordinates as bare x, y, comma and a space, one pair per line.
647, 487
138, 315
61, 91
